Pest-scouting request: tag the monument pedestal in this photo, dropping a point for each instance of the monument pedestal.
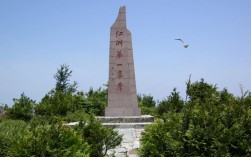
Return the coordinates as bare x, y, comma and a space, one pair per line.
137, 122
131, 127
118, 112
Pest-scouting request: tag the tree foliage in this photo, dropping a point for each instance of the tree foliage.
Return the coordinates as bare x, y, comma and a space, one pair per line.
147, 104
96, 101
20, 139
13, 135
3, 108
62, 99
22, 109
43, 138
100, 138
173, 104
56, 103
62, 80
210, 123
42, 132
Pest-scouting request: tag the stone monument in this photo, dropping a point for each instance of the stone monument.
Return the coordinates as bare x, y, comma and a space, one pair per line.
122, 94
122, 112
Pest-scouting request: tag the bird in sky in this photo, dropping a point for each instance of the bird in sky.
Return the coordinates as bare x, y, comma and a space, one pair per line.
180, 40
186, 46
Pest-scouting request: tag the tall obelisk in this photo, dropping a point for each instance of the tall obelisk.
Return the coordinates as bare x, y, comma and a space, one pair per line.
122, 95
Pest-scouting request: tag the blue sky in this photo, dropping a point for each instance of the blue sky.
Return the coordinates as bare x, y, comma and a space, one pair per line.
36, 37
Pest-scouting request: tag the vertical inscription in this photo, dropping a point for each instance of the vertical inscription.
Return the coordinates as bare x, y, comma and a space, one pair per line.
119, 44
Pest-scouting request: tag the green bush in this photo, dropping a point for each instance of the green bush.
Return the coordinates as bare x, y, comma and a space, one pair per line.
99, 138
14, 135
56, 103
20, 139
57, 140
22, 109
147, 105
163, 138
173, 103
96, 101
211, 123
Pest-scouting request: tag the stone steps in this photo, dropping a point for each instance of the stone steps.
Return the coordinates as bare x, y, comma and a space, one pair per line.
126, 119
127, 125
129, 145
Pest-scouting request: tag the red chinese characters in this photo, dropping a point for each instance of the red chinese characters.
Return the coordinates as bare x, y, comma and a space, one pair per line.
119, 44
119, 74
119, 54
118, 33
119, 87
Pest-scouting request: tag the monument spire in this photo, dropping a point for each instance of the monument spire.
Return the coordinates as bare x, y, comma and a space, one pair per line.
122, 94
121, 19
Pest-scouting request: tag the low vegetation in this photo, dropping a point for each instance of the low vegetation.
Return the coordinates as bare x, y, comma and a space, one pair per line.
209, 123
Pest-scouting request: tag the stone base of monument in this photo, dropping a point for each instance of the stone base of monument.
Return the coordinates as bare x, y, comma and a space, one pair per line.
127, 121
131, 128
122, 111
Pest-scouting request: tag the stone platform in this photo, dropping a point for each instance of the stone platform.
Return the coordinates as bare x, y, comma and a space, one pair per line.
131, 128
129, 145
136, 122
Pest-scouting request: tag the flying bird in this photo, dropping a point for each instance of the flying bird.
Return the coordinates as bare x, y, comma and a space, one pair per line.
180, 40
186, 46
